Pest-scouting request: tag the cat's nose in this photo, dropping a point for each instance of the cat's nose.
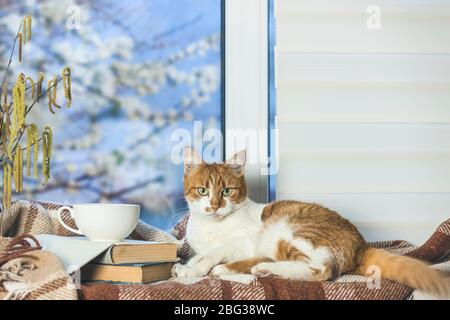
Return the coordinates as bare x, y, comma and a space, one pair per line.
214, 208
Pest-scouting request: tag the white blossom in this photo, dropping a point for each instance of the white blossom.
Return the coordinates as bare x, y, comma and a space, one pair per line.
111, 82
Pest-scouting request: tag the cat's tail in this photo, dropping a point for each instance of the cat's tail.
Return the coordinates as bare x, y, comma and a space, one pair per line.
406, 270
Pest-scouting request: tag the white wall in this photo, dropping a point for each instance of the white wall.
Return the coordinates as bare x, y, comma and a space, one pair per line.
364, 115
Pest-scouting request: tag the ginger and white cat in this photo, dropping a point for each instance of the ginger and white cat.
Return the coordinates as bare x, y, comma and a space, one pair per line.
230, 233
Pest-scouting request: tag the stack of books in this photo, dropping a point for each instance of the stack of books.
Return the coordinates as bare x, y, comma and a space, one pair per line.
132, 261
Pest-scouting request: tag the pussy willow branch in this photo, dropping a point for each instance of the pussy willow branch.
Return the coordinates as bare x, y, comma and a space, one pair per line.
42, 94
22, 131
37, 141
31, 107
37, 98
34, 102
23, 149
10, 58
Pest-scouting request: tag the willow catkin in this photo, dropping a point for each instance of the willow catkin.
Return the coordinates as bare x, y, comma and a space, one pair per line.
18, 169
67, 82
20, 46
28, 150
33, 87
7, 185
46, 152
29, 27
52, 90
14, 123
18, 111
39, 85
35, 154
24, 29
21, 106
7, 120
15, 167
50, 96
32, 142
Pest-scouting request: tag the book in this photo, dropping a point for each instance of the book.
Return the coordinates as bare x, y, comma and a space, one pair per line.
126, 273
139, 252
74, 252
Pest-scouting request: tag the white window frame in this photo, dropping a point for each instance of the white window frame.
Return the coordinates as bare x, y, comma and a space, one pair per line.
246, 80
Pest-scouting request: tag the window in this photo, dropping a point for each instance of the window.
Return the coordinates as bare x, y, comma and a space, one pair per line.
140, 70
363, 111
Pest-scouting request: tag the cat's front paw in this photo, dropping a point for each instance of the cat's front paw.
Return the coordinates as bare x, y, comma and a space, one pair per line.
262, 269
221, 269
182, 271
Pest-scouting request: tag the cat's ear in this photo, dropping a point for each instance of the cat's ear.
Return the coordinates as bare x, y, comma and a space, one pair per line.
191, 159
237, 162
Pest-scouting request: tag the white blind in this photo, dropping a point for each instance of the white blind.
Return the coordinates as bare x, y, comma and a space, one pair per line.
364, 114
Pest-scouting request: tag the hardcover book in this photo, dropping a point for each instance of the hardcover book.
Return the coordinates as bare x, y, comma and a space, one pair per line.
133, 251
127, 273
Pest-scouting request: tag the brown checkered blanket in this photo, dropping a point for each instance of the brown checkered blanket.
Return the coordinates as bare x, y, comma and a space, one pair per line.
34, 218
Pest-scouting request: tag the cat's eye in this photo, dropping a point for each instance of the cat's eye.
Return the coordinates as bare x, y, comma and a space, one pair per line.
227, 192
202, 191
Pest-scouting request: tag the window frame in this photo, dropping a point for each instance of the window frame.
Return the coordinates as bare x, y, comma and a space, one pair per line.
246, 89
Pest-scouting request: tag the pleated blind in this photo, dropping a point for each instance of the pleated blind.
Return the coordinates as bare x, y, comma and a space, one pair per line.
363, 111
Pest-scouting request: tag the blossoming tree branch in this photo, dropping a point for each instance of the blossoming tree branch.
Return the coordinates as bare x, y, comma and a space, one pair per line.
136, 81
15, 105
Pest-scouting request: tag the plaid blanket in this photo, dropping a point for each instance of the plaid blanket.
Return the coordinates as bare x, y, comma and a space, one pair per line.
248, 287
38, 274
34, 218
34, 274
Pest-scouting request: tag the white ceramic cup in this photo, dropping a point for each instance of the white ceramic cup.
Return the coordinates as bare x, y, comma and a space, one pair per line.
101, 221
